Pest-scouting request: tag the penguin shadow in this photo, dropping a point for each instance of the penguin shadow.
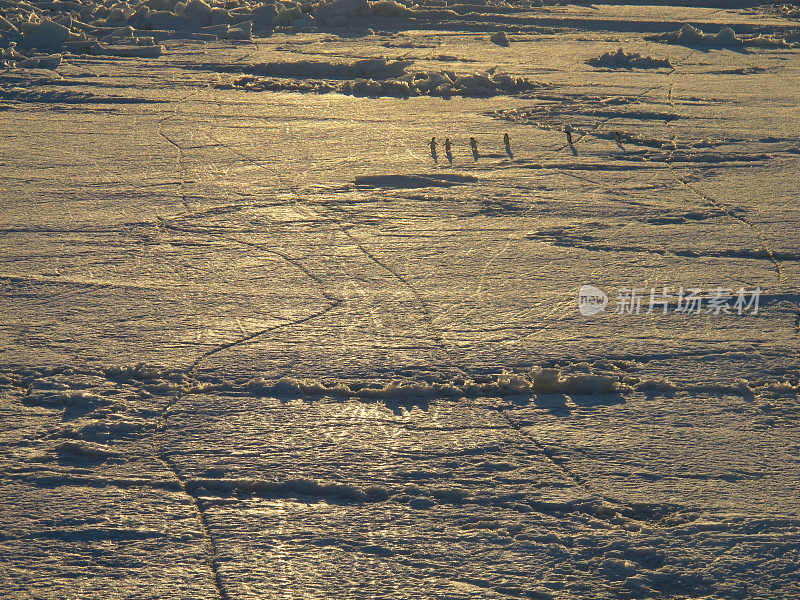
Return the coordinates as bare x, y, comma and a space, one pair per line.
509, 153
435, 156
618, 140
475, 155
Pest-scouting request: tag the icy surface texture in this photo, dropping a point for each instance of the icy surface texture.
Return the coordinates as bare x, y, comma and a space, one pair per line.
289, 301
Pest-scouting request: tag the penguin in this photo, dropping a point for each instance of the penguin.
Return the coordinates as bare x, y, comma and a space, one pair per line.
447, 152
474, 145
507, 143
568, 131
433, 149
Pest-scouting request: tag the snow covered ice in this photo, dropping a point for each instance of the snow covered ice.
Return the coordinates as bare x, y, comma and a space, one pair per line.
260, 337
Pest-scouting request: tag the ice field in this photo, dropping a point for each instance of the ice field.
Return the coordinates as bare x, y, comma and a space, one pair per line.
257, 340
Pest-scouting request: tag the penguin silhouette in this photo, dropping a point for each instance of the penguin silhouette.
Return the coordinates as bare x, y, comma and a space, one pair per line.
474, 145
447, 150
434, 155
507, 144
568, 131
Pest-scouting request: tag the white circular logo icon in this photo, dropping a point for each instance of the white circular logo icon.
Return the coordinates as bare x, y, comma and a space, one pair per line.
591, 300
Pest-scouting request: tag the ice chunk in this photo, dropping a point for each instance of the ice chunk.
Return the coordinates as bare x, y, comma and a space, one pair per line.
165, 20
197, 11
264, 16
220, 16
45, 35
241, 31
42, 62
128, 51
338, 11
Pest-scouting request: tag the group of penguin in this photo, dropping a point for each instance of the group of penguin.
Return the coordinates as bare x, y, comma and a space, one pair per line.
473, 144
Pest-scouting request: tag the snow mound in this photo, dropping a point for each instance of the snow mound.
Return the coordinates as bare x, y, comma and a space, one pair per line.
377, 77
573, 379
443, 83
738, 388
142, 372
62, 399
537, 381
692, 36
726, 38
104, 430
390, 8
623, 60
783, 388
766, 41
500, 38
553, 381
154, 380
89, 450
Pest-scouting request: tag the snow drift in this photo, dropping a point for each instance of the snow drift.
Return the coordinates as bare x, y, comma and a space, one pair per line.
623, 60
692, 36
725, 38
376, 77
